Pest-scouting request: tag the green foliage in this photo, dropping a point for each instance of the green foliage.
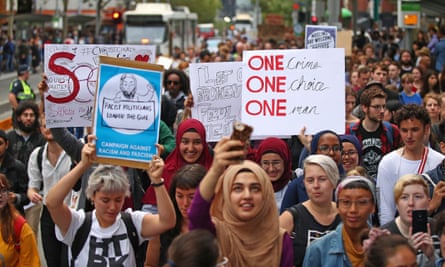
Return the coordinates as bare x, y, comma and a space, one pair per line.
206, 9
282, 7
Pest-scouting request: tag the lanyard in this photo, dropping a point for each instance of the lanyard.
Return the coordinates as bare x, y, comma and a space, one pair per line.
423, 162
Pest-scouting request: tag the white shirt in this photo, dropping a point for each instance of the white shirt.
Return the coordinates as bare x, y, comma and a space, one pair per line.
50, 174
108, 246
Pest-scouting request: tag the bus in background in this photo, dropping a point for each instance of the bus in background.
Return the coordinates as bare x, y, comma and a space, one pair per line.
205, 30
162, 25
243, 23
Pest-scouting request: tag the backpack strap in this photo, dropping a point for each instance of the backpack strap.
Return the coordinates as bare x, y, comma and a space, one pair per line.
81, 237
40, 158
84, 231
389, 132
19, 221
131, 230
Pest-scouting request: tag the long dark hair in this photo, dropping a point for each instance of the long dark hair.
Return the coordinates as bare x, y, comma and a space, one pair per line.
7, 215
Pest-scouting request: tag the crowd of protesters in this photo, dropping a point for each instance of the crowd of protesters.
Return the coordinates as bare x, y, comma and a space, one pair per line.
331, 199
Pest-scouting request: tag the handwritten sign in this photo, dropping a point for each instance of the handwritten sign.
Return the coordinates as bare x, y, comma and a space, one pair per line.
320, 36
216, 90
284, 90
127, 111
72, 74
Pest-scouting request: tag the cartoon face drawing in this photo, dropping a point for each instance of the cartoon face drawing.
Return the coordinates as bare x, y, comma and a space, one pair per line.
128, 86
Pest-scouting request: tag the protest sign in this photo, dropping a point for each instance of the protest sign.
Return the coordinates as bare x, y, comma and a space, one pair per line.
72, 74
320, 36
285, 90
216, 90
127, 111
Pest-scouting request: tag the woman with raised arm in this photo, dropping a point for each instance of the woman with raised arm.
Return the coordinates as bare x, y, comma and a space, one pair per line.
237, 205
108, 239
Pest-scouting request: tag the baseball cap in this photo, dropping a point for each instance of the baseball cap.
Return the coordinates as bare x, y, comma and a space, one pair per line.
22, 69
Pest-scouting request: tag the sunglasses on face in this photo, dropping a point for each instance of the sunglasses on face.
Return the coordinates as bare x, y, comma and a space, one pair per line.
172, 82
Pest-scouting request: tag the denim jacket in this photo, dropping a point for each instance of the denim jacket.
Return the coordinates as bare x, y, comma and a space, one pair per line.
327, 251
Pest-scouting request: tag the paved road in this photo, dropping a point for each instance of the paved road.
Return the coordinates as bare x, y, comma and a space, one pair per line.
5, 79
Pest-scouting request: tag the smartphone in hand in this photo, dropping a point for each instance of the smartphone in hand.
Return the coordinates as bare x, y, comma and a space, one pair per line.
420, 221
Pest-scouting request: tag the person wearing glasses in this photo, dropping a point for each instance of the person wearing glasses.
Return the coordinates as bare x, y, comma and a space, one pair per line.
414, 157
305, 222
15, 250
411, 193
355, 198
351, 155
177, 86
326, 143
377, 137
273, 156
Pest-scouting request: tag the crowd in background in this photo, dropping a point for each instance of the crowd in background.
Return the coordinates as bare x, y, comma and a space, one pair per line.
330, 199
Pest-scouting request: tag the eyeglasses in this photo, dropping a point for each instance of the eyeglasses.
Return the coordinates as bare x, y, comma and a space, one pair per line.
349, 153
273, 163
172, 82
327, 149
361, 203
378, 107
3, 191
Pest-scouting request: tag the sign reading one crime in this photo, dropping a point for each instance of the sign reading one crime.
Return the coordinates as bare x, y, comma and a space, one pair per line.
127, 111
72, 74
285, 90
216, 90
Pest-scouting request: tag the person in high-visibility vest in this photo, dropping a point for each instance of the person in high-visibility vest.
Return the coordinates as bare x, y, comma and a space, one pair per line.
19, 89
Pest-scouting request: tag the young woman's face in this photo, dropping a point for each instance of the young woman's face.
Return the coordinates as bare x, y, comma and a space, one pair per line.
416, 74
433, 108
355, 206
191, 147
432, 81
350, 157
273, 164
329, 145
403, 257
354, 78
318, 186
246, 196
413, 197
4, 197
350, 103
108, 206
184, 198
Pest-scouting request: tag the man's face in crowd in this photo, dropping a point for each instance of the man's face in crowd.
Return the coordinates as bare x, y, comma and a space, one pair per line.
412, 133
405, 59
393, 72
380, 76
26, 120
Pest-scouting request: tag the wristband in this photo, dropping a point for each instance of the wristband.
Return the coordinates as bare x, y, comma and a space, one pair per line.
161, 183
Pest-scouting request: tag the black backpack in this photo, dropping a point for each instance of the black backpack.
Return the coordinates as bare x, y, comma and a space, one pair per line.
84, 231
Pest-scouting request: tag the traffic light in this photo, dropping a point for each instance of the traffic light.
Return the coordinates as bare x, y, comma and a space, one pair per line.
116, 16
314, 20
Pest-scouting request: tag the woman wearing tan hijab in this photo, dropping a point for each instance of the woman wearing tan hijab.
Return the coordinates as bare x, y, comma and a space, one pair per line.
237, 205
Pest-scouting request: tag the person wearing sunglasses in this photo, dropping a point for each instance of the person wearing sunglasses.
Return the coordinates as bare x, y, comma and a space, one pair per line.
177, 86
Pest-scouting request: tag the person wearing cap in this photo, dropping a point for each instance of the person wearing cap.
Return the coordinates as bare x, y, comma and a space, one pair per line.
355, 199
377, 138
414, 157
19, 89
16, 174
